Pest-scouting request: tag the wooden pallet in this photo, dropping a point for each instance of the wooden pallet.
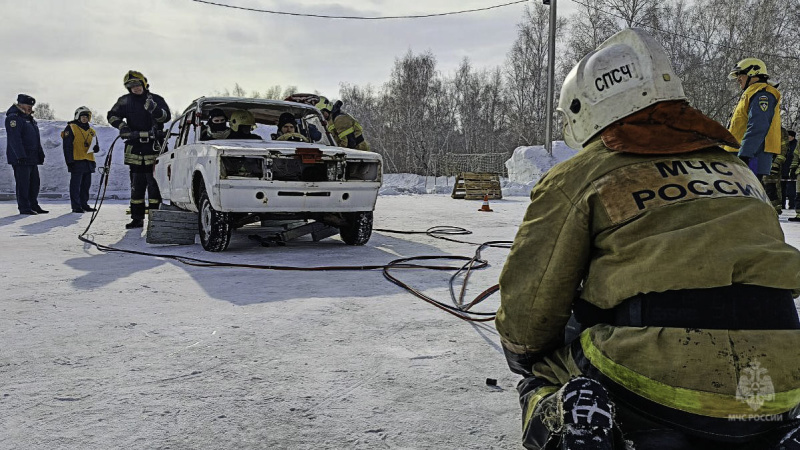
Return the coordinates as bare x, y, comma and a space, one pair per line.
171, 227
475, 185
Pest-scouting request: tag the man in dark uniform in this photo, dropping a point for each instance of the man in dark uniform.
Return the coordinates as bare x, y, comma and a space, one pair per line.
24, 152
140, 116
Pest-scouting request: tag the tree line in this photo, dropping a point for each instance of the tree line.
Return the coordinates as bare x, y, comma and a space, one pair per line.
420, 115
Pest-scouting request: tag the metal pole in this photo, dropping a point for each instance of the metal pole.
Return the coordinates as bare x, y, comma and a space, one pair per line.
551, 69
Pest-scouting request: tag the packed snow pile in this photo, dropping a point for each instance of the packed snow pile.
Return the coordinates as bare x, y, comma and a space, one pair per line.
528, 164
53, 174
525, 167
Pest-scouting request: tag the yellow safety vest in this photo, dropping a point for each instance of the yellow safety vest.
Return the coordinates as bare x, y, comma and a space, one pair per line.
82, 142
739, 120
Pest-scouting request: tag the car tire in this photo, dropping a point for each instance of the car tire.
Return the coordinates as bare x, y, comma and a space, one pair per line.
214, 226
358, 229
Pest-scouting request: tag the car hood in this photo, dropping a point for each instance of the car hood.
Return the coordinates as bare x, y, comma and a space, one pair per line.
287, 148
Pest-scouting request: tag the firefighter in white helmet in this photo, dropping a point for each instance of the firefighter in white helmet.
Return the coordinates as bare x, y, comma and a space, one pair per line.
78, 138
756, 122
639, 239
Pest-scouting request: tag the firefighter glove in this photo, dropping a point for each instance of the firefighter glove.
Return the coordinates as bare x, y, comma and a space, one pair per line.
521, 364
775, 169
124, 129
150, 104
96, 148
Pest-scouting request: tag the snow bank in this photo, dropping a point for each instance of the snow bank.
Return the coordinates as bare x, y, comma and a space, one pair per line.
54, 175
525, 167
528, 164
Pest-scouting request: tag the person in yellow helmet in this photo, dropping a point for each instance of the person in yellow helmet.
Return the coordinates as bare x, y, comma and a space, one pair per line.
345, 128
242, 124
140, 115
756, 119
688, 336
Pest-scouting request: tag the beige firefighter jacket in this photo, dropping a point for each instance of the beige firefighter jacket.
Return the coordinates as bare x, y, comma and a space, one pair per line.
619, 224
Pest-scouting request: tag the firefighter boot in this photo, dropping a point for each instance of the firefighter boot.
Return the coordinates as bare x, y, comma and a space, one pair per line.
588, 416
135, 223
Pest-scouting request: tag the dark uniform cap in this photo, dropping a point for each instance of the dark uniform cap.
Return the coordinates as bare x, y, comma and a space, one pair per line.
24, 99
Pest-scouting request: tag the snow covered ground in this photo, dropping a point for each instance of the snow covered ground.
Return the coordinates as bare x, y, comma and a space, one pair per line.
110, 350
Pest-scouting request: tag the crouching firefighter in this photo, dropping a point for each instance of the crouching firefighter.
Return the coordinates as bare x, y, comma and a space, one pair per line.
140, 116
690, 337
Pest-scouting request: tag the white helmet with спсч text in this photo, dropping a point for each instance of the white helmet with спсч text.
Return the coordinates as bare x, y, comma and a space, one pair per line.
627, 73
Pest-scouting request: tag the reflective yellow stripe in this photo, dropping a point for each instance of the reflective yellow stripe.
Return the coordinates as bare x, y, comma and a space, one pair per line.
346, 132
134, 159
137, 202
534, 400
709, 404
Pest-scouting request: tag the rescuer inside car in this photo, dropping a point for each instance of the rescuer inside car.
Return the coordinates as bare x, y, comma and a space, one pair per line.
690, 333
287, 130
216, 127
140, 116
242, 124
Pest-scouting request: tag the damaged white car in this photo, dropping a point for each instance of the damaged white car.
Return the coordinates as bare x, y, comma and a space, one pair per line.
251, 171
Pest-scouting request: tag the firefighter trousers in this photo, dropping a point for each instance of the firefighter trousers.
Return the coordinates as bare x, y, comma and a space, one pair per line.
141, 183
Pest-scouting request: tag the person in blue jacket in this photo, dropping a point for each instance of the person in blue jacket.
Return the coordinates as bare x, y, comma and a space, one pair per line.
25, 153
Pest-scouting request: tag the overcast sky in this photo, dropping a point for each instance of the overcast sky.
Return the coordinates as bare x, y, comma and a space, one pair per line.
70, 53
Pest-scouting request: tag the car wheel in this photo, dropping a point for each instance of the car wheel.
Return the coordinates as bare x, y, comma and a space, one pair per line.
215, 226
358, 229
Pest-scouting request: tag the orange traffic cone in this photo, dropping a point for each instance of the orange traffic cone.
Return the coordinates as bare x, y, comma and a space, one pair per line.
485, 206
